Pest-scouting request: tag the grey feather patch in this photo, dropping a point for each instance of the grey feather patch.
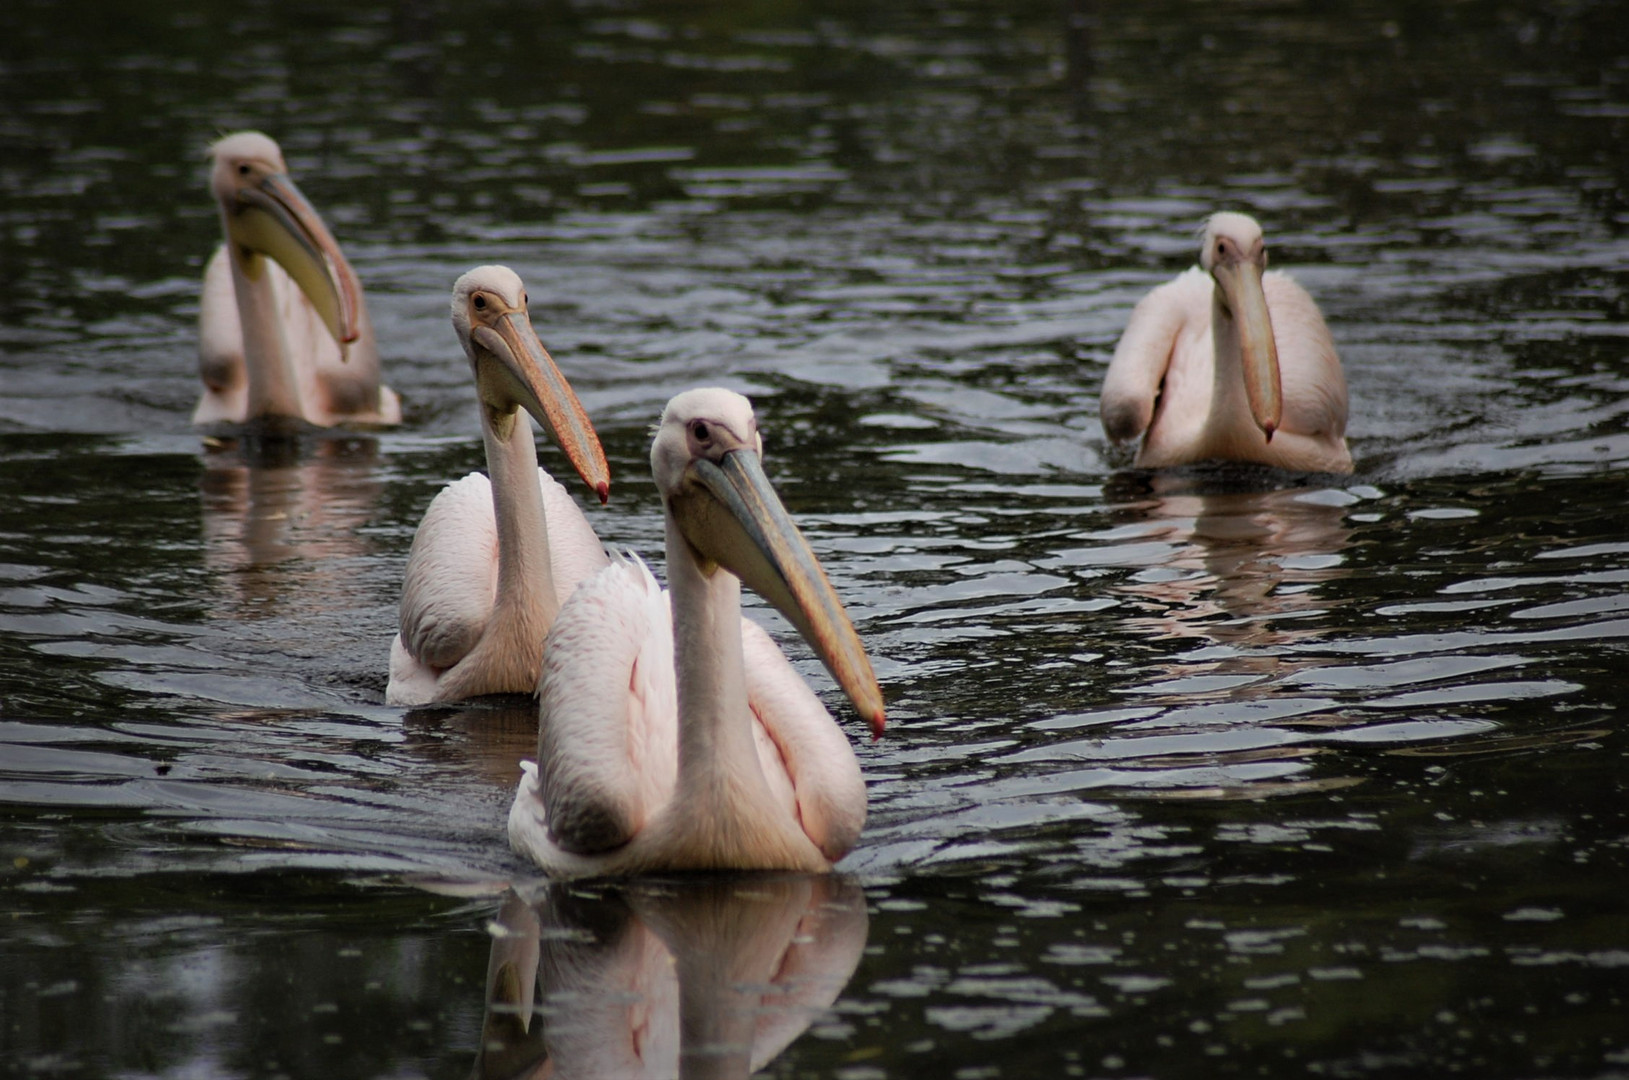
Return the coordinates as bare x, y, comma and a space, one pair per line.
589, 826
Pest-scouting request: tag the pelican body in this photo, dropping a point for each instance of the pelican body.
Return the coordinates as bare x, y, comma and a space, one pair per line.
1229, 362
673, 734
283, 330
494, 558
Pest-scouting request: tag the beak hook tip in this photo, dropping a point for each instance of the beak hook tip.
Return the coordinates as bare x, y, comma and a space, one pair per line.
603, 490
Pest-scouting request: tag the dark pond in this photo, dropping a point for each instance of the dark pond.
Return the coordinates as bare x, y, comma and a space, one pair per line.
1212, 773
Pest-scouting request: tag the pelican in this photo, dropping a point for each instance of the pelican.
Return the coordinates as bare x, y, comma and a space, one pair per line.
1227, 361
283, 331
493, 559
672, 734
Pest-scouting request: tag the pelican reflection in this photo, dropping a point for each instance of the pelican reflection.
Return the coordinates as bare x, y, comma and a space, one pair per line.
283, 520
1233, 584
1240, 568
682, 977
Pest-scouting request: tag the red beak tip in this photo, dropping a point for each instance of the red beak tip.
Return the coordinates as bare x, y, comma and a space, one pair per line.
878, 722
603, 490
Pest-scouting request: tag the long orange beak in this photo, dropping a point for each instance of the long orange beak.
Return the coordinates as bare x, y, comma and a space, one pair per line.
538, 386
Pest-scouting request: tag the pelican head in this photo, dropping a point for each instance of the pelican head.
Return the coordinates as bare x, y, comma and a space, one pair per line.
266, 216
1234, 254
514, 371
707, 461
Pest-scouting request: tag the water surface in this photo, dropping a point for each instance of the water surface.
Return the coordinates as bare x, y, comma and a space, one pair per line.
1201, 773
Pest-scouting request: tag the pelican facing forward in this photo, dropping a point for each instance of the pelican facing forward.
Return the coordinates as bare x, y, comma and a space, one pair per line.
494, 559
672, 734
283, 331
1227, 361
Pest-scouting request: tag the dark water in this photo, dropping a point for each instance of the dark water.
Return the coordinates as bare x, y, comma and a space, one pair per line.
1211, 773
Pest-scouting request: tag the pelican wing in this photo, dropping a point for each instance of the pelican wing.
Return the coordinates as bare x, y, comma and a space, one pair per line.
450, 586
805, 755
220, 347
1314, 386
452, 570
452, 574
608, 736
607, 744
575, 551
1132, 384
340, 384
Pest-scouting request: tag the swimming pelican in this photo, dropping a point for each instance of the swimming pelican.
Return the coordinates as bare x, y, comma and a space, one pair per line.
672, 734
1226, 361
494, 559
282, 327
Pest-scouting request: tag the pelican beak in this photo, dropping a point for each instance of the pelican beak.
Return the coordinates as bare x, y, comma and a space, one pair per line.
535, 382
1240, 282
272, 218
744, 528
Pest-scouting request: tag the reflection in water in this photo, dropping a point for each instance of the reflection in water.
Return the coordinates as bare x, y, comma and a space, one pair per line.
915, 231
703, 977
282, 516
483, 738
1232, 576
1241, 564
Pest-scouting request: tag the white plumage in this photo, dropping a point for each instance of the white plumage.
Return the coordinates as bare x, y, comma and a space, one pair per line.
1229, 362
673, 733
283, 329
493, 559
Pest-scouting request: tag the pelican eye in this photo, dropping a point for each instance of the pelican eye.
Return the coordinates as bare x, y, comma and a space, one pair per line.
479, 302
700, 431
243, 170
